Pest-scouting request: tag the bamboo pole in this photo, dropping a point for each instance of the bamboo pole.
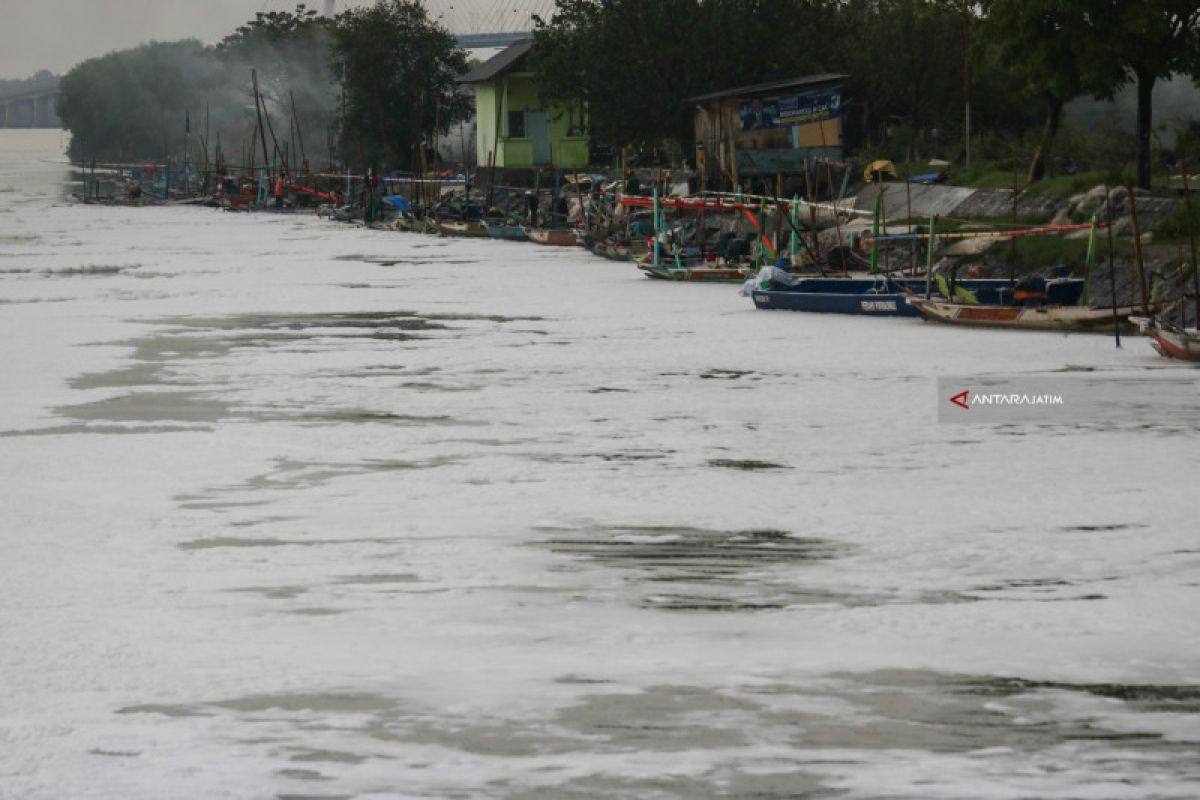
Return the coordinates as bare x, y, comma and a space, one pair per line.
655, 242
1191, 228
1012, 252
1112, 266
912, 246
875, 234
904, 237
778, 210
299, 133
1137, 250
887, 256
929, 245
262, 132
204, 143
837, 219
733, 167
812, 209
793, 243
270, 126
1088, 262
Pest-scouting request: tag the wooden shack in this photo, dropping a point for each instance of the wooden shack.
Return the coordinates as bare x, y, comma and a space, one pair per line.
768, 128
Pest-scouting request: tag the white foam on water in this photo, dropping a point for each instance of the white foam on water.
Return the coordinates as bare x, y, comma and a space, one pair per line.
498, 519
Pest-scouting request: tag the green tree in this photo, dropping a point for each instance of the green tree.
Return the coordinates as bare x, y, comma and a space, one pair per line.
402, 70
631, 63
290, 52
905, 61
1033, 41
131, 104
1121, 42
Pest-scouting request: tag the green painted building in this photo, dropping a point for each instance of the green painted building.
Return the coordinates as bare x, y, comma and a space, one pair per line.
514, 124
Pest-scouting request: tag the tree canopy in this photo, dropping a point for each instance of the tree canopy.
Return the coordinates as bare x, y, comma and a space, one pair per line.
289, 50
1063, 48
399, 70
633, 62
1138, 43
382, 79
131, 103
402, 71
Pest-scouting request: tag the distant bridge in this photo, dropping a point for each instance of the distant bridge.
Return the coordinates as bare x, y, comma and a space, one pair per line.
34, 109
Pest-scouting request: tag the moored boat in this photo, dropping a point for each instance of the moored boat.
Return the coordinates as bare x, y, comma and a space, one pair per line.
555, 237
707, 274
884, 295
692, 269
502, 229
467, 228
1032, 317
618, 249
1170, 340
836, 296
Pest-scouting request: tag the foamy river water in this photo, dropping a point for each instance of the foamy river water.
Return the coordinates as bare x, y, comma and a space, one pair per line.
290, 509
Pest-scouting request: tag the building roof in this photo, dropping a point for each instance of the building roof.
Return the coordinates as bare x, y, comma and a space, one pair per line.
498, 64
762, 88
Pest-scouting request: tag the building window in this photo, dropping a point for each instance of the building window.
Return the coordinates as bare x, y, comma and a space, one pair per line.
516, 124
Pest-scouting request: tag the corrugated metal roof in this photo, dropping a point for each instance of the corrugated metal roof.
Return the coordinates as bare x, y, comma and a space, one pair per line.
498, 64
760, 88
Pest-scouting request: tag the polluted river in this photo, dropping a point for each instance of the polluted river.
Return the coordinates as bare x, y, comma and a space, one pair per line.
293, 509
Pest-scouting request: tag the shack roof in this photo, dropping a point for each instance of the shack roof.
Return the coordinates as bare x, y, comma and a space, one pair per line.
773, 86
498, 64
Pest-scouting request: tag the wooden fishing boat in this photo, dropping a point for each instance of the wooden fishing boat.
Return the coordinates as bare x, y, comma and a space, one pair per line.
465, 228
692, 270
555, 237
879, 295
620, 250
1170, 340
1043, 317
501, 229
406, 224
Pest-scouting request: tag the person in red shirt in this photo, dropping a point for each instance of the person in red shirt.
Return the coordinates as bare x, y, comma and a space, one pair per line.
279, 186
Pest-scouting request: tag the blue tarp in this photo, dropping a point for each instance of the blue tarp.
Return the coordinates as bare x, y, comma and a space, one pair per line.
397, 202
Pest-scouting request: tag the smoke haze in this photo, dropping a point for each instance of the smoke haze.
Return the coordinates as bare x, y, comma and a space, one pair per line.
57, 34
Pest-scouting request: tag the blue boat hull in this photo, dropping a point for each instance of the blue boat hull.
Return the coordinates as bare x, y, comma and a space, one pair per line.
877, 298
515, 233
875, 305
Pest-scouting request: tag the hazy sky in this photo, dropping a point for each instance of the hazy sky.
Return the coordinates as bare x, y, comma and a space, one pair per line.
57, 34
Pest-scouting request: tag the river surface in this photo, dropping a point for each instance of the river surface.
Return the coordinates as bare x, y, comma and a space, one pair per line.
292, 509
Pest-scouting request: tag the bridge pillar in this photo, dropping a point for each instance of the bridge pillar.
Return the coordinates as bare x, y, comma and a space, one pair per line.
21, 113
45, 114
